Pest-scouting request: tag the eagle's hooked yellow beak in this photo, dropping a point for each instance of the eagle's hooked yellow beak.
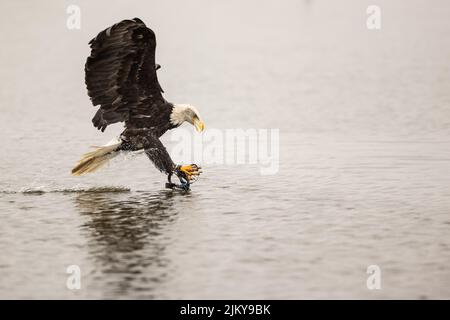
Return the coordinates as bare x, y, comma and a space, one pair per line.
199, 124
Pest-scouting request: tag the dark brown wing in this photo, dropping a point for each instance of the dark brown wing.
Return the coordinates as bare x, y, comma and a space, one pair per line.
121, 73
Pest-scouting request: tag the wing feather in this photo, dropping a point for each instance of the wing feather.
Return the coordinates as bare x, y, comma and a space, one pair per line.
121, 72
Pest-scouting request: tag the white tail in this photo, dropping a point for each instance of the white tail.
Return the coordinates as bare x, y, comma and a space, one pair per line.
93, 160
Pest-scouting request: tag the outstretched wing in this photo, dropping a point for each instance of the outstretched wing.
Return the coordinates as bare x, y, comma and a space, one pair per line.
121, 73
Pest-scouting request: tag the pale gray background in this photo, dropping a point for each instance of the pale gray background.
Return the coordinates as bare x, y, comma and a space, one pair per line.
364, 119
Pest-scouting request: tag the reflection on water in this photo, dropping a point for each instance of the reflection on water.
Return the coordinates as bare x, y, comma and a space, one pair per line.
126, 237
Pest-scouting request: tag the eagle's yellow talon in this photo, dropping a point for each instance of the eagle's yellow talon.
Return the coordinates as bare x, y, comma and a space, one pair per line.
191, 170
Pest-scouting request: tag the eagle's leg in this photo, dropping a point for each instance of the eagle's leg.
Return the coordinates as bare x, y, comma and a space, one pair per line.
186, 175
184, 183
158, 154
169, 183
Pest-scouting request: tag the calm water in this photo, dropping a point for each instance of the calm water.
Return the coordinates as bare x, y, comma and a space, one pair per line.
364, 119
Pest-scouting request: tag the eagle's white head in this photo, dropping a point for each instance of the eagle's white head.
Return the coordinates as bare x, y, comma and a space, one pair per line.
186, 112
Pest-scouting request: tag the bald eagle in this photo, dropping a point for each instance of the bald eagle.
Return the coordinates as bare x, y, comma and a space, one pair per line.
121, 79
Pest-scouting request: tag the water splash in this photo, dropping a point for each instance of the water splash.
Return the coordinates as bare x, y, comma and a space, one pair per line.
76, 189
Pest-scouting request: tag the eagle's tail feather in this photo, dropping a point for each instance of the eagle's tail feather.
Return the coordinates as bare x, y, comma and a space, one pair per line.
93, 160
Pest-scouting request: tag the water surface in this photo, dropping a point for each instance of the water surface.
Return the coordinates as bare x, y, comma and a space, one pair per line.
364, 119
